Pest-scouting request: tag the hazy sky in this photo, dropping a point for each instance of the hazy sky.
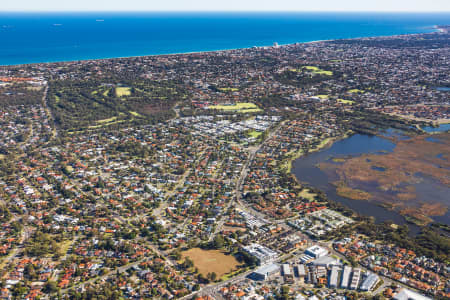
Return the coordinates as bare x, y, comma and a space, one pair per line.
225, 5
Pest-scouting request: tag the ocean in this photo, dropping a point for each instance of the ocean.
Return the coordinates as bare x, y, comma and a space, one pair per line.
51, 37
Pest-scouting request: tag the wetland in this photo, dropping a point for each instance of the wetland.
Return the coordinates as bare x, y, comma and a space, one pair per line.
404, 179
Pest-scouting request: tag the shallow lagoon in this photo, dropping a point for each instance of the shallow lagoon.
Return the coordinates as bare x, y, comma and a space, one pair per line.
441, 128
306, 170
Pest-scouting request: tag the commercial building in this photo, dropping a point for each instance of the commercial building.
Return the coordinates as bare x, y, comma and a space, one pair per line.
369, 282
264, 272
263, 254
345, 277
305, 258
316, 251
286, 268
326, 261
405, 294
301, 271
287, 273
321, 272
333, 282
355, 279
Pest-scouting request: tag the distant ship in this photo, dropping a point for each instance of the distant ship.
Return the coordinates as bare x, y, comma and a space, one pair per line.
99, 20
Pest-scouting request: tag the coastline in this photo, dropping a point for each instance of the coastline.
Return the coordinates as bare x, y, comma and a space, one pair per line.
433, 28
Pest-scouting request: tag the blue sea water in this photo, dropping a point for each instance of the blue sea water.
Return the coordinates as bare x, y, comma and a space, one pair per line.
50, 37
440, 128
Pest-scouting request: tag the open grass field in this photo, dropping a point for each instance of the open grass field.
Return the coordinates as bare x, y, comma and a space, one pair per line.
208, 261
286, 165
356, 91
228, 89
343, 101
317, 70
123, 91
323, 143
34, 88
238, 107
109, 120
306, 193
64, 246
100, 125
136, 114
250, 110
254, 134
311, 68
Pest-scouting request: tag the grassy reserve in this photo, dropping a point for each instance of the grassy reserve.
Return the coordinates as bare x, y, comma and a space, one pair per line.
356, 91
228, 89
242, 107
136, 114
343, 101
318, 71
103, 124
123, 91
109, 120
208, 261
255, 134
307, 194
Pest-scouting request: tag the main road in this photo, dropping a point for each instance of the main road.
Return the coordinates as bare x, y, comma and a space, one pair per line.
243, 174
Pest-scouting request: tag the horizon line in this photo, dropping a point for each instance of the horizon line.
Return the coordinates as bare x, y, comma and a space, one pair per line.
225, 11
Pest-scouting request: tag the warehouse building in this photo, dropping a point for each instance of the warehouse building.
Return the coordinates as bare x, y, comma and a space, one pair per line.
370, 282
287, 273
326, 261
300, 270
405, 294
334, 274
355, 279
265, 272
345, 277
